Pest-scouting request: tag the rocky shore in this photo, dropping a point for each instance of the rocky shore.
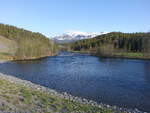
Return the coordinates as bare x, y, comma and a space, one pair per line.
66, 96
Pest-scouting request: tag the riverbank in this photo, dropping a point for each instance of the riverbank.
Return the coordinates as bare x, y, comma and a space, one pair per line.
35, 58
23, 96
117, 55
5, 59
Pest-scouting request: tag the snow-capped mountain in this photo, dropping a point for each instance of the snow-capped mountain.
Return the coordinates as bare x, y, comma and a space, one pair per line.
75, 35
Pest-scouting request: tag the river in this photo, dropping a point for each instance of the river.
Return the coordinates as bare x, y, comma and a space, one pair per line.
121, 82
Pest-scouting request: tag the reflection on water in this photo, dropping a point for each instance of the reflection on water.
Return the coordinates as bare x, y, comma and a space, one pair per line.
120, 82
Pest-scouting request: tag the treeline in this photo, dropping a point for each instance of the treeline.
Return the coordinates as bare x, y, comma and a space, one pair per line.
29, 44
115, 42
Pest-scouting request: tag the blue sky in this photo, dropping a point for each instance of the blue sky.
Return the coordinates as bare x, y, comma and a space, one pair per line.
53, 17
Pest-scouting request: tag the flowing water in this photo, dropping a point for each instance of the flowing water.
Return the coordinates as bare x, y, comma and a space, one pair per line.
122, 82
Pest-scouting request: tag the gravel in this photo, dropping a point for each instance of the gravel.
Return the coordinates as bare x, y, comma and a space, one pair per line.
66, 95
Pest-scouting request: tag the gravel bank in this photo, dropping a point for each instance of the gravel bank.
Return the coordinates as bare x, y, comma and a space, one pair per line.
65, 95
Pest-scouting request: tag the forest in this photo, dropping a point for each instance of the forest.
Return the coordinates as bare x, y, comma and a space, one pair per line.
29, 45
115, 44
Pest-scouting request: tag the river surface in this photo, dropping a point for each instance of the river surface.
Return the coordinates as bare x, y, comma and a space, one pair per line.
122, 82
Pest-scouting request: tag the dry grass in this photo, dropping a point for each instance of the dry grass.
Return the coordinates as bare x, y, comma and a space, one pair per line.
7, 48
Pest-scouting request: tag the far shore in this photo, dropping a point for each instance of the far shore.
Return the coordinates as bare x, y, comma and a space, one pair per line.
114, 56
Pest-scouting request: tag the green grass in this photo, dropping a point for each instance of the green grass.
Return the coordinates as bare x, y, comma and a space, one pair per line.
129, 54
26, 95
5, 56
31, 100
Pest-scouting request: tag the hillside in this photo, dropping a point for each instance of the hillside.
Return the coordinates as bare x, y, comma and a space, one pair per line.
20, 44
7, 48
115, 44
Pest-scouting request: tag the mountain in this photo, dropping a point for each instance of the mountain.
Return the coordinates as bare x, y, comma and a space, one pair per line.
75, 35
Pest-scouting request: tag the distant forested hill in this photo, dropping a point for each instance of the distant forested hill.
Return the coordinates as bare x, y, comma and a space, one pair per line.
136, 45
20, 44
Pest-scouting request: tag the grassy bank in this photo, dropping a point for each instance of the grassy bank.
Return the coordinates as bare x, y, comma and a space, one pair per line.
127, 55
9, 57
132, 55
20, 98
5, 56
